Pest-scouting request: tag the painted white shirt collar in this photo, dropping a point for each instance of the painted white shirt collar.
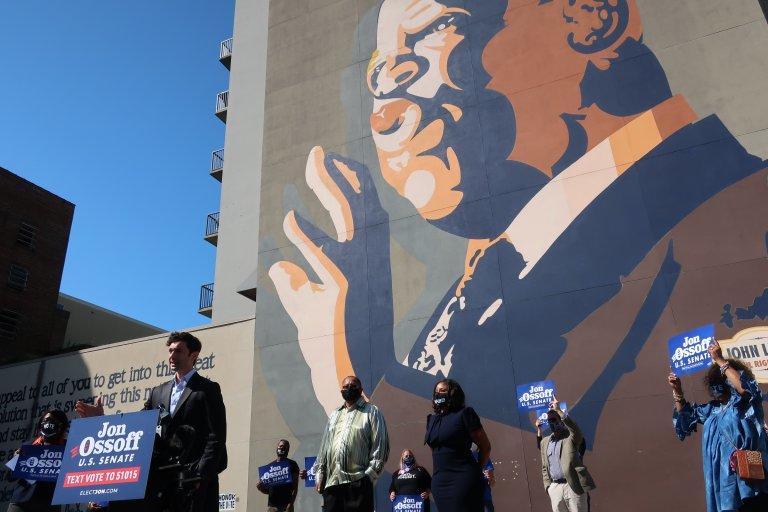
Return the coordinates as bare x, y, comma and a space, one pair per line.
552, 210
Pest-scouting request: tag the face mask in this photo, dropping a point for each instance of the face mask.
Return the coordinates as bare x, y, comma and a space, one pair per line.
282, 452
408, 461
440, 399
351, 395
50, 429
557, 426
717, 390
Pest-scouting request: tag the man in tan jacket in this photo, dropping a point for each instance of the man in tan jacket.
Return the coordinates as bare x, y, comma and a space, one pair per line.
566, 479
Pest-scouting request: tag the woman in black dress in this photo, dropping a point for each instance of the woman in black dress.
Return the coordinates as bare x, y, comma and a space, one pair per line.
411, 480
457, 481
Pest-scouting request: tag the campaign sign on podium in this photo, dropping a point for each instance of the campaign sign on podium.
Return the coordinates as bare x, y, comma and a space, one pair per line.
276, 473
535, 395
688, 351
409, 503
39, 462
107, 458
309, 466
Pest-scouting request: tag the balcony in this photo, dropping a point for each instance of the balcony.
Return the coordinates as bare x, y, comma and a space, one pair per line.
217, 164
225, 53
206, 300
212, 228
222, 102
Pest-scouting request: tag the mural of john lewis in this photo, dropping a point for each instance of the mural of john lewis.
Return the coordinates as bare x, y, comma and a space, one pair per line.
601, 214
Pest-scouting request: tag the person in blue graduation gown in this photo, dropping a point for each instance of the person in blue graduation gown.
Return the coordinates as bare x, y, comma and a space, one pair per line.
732, 420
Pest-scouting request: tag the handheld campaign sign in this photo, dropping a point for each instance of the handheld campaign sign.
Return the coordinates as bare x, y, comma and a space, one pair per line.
107, 458
688, 351
276, 473
541, 414
535, 395
39, 462
309, 465
408, 502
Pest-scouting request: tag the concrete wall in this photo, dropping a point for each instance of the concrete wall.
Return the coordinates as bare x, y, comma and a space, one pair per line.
116, 372
236, 254
532, 199
93, 325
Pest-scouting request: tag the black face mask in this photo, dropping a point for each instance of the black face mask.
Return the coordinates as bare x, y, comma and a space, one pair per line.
351, 395
717, 391
282, 452
558, 427
440, 400
50, 429
408, 461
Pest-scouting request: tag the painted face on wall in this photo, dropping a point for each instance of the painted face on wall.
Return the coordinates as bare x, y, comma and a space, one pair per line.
460, 114
417, 100
430, 95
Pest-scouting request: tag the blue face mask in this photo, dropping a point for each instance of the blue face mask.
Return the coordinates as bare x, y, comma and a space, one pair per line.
716, 391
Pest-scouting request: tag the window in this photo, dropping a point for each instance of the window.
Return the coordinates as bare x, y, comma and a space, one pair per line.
17, 277
9, 323
27, 234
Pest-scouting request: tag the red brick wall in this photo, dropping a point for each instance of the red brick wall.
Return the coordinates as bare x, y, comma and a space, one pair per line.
22, 201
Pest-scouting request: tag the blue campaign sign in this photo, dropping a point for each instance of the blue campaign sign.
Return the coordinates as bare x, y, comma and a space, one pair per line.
688, 351
309, 466
535, 395
408, 502
276, 473
107, 458
39, 462
541, 414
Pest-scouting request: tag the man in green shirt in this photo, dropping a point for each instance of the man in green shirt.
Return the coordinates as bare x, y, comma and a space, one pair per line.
353, 451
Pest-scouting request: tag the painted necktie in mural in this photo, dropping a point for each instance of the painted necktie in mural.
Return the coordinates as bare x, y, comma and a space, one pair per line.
591, 201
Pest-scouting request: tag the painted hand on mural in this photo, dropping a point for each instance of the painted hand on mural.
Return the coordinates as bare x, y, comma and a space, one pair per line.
343, 303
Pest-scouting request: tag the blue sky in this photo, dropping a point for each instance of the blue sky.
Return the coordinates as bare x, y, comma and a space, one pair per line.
109, 104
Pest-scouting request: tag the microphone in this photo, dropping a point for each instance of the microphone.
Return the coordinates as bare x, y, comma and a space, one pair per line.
163, 414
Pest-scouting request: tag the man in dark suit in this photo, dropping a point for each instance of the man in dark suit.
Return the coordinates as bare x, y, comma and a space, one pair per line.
193, 427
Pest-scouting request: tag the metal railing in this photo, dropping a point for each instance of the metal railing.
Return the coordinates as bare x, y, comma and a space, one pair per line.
206, 297
212, 224
222, 101
225, 49
217, 160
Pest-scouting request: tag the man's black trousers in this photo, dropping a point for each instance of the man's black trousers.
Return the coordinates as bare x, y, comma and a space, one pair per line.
352, 497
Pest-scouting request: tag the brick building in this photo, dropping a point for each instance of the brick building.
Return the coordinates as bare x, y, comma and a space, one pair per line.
34, 233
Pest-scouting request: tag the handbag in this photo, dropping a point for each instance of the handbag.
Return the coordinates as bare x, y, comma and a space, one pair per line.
748, 464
